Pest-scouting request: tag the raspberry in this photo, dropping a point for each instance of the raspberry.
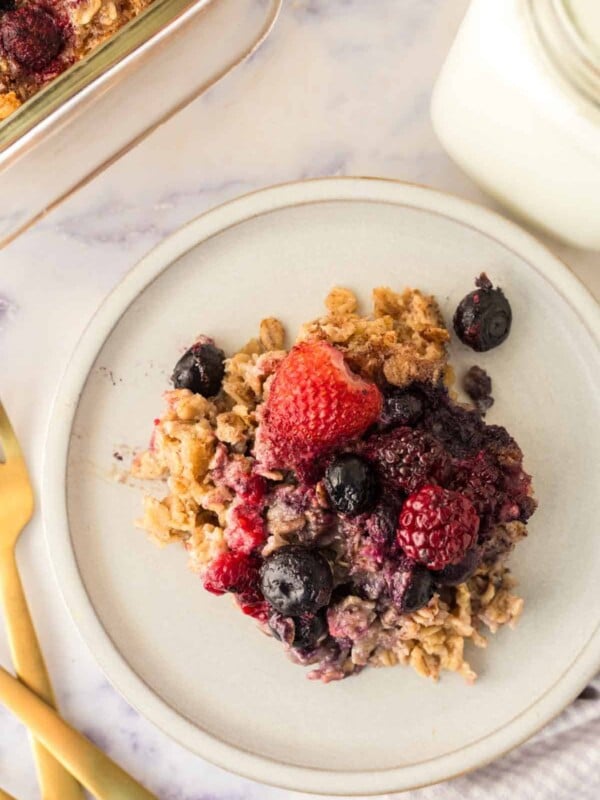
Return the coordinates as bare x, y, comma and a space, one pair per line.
245, 529
437, 527
233, 572
257, 609
31, 37
235, 472
253, 489
314, 404
407, 459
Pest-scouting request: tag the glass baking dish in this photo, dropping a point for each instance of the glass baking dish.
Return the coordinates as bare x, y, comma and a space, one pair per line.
102, 106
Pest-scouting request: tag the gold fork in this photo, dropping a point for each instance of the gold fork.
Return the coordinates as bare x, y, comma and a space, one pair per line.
16, 508
101, 776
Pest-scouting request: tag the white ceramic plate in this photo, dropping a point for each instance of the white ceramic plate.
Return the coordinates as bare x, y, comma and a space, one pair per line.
189, 661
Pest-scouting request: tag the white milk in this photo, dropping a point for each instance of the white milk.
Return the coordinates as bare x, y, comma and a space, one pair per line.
513, 119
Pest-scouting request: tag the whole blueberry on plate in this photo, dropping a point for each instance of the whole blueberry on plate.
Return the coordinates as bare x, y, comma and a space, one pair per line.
200, 369
350, 484
296, 580
483, 318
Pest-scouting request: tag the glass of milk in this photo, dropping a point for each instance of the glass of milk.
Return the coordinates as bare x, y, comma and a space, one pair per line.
517, 106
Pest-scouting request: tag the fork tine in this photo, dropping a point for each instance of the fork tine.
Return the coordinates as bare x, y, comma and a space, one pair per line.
8, 438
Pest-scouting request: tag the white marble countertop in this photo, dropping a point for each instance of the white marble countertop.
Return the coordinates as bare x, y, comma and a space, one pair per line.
342, 87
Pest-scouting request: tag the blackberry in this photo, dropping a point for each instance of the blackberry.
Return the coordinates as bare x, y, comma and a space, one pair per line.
483, 318
481, 480
31, 37
407, 459
460, 431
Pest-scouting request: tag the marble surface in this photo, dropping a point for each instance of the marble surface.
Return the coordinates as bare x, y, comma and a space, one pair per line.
342, 87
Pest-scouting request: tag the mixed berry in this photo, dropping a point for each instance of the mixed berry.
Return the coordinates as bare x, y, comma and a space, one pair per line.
296, 580
316, 404
31, 36
483, 318
357, 503
200, 369
437, 526
350, 484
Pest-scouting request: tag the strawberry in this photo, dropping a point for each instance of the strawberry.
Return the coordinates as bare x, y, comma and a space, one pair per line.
315, 403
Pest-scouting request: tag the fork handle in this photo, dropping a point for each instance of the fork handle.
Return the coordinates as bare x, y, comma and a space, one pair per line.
105, 779
55, 782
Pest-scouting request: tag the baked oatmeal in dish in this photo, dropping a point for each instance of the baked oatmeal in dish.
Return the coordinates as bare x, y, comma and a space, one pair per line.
339, 492
39, 39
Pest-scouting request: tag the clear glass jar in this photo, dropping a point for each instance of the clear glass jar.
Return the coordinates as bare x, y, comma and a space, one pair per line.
517, 106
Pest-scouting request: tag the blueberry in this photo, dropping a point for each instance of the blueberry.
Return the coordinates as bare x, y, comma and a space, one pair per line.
454, 574
304, 632
200, 369
382, 524
296, 580
483, 318
411, 587
350, 484
402, 407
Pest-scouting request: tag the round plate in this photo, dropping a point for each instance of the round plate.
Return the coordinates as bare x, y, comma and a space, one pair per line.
190, 661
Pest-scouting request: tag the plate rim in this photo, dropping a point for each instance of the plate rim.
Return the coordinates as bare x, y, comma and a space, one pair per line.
54, 488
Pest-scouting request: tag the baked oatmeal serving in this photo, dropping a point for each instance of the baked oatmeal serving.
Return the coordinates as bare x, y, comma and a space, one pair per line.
39, 39
339, 492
